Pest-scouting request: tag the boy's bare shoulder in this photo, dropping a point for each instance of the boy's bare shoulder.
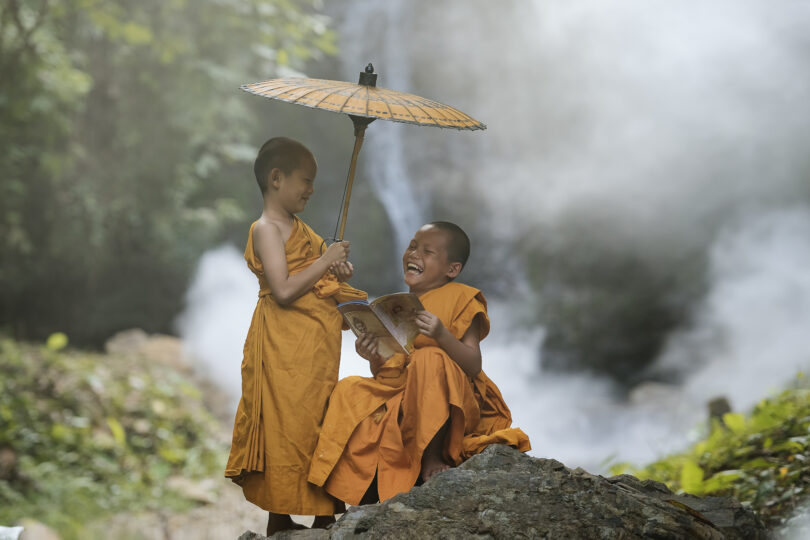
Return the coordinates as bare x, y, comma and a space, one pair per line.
265, 229
267, 240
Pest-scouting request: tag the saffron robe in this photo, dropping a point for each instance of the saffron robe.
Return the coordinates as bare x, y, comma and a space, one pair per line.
289, 368
383, 424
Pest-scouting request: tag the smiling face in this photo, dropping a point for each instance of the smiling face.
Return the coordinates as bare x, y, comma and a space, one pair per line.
425, 261
293, 190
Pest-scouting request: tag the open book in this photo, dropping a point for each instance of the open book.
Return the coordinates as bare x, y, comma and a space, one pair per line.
390, 318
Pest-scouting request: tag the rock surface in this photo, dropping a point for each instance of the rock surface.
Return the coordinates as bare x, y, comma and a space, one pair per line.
503, 493
157, 348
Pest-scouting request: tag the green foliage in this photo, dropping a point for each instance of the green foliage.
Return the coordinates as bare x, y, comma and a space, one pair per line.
125, 149
762, 459
84, 435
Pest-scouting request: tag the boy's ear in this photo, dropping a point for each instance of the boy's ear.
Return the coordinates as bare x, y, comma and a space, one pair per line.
455, 270
274, 177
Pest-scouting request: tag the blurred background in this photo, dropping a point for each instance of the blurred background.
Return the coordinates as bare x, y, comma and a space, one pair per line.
639, 205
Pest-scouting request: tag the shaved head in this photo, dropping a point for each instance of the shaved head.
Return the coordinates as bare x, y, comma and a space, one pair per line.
280, 153
458, 243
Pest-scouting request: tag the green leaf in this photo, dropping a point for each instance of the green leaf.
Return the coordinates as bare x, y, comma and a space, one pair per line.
56, 341
692, 478
172, 455
735, 422
721, 481
790, 446
118, 431
756, 463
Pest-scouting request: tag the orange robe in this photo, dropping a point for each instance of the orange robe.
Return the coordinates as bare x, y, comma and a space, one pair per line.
382, 425
289, 368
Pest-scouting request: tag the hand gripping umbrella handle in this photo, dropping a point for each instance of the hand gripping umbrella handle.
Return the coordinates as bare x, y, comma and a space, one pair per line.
360, 124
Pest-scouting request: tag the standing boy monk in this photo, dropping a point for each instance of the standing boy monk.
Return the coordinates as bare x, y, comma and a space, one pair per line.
422, 413
292, 350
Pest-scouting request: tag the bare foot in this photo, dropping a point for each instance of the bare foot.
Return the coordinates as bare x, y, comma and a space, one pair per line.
322, 522
432, 461
281, 522
432, 465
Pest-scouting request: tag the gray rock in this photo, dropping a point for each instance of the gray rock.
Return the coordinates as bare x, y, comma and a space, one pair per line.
126, 342
503, 493
157, 348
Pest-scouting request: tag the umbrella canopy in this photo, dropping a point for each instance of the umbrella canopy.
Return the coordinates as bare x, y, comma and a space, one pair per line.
364, 102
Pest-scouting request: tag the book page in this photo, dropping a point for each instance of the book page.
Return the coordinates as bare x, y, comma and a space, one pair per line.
362, 320
399, 310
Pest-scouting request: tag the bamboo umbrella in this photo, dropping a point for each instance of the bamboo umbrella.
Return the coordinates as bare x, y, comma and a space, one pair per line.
364, 102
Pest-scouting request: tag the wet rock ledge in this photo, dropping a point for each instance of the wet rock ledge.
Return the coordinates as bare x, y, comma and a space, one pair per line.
503, 493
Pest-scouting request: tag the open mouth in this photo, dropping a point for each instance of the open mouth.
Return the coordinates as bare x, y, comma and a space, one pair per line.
413, 268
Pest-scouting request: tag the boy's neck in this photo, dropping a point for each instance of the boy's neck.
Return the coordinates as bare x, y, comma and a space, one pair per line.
275, 212
425, 291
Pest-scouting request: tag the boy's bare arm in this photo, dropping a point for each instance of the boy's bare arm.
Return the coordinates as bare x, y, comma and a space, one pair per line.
465, 352
268, 245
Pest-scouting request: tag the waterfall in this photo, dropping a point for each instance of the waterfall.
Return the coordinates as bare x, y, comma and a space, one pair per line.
384, 146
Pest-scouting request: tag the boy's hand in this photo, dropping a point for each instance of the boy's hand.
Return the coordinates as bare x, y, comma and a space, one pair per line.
429, 324
366, 346
337, 252
342, 270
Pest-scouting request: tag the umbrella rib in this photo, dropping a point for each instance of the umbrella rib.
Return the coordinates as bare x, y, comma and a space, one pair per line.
285, 85
274, 91
398, 97
458, 117
418, 106
350, 96
454, 114
327, 93
463, 119
280, 89
368, 91
311, 90
388, 106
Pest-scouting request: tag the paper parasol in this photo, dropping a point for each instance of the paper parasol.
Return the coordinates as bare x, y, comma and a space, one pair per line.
364, 102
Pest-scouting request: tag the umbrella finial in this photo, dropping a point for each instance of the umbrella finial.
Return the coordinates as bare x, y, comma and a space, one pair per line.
368, 78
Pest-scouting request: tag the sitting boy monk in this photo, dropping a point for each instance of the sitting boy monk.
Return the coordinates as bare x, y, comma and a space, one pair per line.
422, 413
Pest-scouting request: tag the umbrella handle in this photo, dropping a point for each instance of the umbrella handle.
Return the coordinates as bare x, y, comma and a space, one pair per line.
360, 124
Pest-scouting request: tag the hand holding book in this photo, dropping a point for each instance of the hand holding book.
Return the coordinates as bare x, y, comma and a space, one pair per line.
429, 324
367, 346
390, 318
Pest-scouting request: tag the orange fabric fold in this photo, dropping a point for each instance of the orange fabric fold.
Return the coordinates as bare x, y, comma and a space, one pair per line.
289, 368
382, 425
329, 286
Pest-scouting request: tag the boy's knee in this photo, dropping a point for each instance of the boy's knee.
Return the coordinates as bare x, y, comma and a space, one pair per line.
432, 360
343, 383
346, 385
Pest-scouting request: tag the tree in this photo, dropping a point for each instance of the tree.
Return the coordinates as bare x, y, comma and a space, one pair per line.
120, 131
